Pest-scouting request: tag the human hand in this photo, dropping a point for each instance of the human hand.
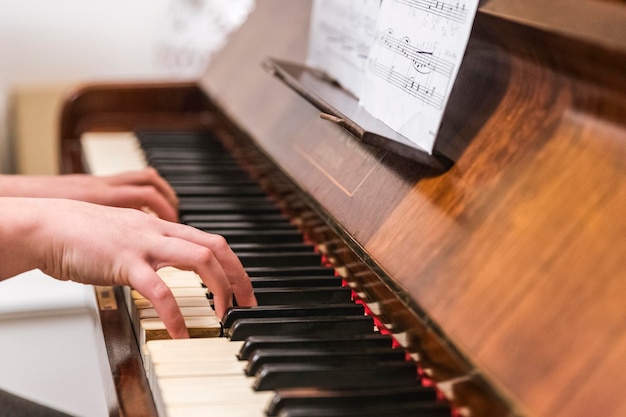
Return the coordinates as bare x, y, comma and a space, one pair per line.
143, 189
100, 245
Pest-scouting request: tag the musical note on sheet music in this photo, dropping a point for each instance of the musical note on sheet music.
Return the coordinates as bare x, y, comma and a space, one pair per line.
413, 62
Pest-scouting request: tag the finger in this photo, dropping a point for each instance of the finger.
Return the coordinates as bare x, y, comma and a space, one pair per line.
230, 263
141, 197
145, 280
187, 255
147, 176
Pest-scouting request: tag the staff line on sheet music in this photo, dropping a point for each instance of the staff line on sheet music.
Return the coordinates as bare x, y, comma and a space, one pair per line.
417, 56
456, 12
408, 85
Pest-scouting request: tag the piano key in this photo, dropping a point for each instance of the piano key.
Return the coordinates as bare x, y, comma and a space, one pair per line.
272, 247
238, 313
279, 259
218, 190
302, 326
231, 217
182, 302
291, 271
354, 343
405, 409
236, 410
335, 376
251, 227
178, 292
320, 356
154, 328
221, 168
191, 349
262, 236
199, 207
214, 180
298, 296
205, 390
274, 282
314, 397
217, 178
196, 311
158, 156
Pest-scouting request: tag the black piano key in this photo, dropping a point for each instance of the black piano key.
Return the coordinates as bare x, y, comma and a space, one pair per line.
277, 282
232, 217
402, 409
237, 178
295, 356
278, 259
224, 168
333, 326
335, 376
237, 202
313, 397
227, 208
296, 296
249, 226
291, 271
343, 343
186, 181
272, 247
238, 313
173, 138
262, 236
161, 155
216, 190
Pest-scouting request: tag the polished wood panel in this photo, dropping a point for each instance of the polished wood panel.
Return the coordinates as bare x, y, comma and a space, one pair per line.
518, 252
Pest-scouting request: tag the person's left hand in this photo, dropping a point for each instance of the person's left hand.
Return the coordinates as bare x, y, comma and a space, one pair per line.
143, 189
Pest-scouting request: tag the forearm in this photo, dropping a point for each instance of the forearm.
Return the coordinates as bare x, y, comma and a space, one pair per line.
25, 186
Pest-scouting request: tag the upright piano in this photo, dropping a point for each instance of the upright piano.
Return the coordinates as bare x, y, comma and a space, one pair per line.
502, 274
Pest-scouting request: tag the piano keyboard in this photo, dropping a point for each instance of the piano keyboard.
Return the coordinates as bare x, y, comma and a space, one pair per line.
309, 349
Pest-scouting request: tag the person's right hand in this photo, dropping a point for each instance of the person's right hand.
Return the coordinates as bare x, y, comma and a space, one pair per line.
100, 245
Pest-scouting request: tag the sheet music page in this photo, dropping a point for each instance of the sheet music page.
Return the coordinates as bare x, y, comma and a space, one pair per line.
342, 32
413, 62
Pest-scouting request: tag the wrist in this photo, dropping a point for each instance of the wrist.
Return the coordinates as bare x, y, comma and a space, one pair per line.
21, 223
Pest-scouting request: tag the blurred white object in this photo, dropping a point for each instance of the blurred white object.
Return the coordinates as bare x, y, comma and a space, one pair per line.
52, 349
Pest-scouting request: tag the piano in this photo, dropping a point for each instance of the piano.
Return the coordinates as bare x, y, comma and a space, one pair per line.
502, 277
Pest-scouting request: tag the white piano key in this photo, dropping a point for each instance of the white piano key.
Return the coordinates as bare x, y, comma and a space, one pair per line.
109, 153
200, 301
215, 410
201, 376
192, 349
200, 368
223, 390
178, 292
203, 311
154, 329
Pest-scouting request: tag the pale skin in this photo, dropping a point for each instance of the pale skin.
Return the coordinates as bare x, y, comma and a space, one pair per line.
97, 244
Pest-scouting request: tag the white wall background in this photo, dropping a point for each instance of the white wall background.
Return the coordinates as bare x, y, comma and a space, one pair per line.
68, 41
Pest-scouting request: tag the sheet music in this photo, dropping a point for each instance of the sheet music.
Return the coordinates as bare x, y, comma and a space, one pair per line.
342, 32
412, 65
403, 67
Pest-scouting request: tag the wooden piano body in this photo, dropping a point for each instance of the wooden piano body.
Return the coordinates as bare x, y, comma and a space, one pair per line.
507, 273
